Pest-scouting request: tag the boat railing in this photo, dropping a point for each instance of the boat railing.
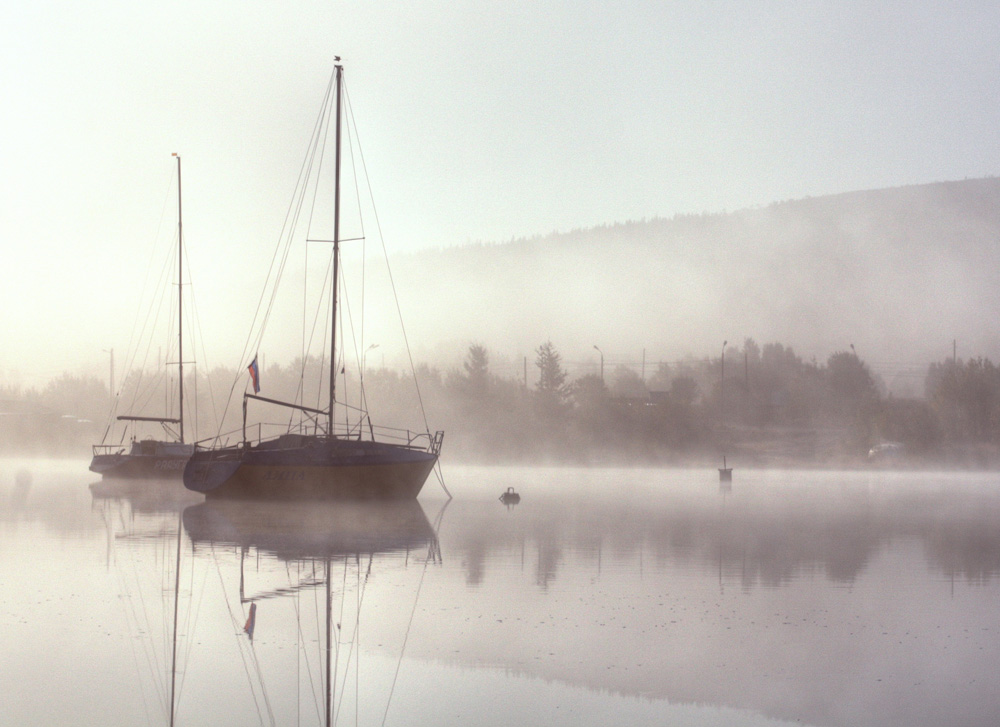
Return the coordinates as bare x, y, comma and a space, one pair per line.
409, 439
254, 434
223, 439
108, 449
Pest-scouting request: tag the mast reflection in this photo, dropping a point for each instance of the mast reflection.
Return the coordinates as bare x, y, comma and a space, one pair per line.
317, 534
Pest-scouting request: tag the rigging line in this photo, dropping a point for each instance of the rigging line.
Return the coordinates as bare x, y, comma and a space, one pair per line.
440, 518
300, 647
357, 355
124, 599
320, 153
326, 314
351, 139
298, 195
300, 389
177, 600
303, 171
355, 637
298, 640
340, 620
296, 206
235, 623
189, 626
357, 662
132, 619
297, 202
146, 624
305, 298
392, 285
145, 281
204, 352
439, 473
145, 386
406, 638
168, 195
317, 699
260, 679
152, 312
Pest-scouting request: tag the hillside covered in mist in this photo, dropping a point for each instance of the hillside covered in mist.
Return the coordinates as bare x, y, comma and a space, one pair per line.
900, 273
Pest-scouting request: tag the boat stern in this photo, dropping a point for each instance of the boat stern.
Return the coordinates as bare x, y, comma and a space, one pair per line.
206, 471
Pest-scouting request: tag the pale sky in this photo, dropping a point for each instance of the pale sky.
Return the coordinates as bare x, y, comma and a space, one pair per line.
480, 121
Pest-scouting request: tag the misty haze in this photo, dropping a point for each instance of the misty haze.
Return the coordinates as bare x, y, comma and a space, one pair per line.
850, 322
493, 364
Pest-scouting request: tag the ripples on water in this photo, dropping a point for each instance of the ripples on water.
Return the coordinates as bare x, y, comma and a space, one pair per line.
605, 596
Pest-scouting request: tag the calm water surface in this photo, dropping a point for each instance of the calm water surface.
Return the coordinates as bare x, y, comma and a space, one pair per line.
611, 596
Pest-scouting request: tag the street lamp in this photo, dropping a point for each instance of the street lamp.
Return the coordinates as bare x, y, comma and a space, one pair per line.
602, 363
722, 379
364, 356
112, 352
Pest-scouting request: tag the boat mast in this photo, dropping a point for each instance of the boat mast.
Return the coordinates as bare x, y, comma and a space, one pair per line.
180, 299
336, 254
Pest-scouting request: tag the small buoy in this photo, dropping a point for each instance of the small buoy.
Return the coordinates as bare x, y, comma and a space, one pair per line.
510, 497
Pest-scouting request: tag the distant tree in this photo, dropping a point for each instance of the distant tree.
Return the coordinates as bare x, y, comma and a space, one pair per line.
477, 372
677, 418
591, 412
589, 392
966, 397
551, 391
910, 422
850, 381
628, 384
684, 391
853, 401
660, 380
751, 351
84, 397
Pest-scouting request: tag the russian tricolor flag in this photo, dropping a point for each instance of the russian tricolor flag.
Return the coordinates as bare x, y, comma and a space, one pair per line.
254, 375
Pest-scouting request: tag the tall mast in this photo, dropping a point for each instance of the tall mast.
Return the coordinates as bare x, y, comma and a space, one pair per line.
336, 255
180, 298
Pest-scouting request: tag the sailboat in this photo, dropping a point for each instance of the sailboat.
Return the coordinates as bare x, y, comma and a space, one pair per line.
313, 460
154, 458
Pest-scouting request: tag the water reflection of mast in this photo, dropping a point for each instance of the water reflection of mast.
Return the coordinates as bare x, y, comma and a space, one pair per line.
321, 533
126, 501
177, 588
329, 646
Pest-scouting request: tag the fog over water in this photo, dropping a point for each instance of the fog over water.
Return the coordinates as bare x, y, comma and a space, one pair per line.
651, 596
491, 123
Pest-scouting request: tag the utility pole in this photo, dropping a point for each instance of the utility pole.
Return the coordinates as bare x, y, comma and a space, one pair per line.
112, 375
602, 363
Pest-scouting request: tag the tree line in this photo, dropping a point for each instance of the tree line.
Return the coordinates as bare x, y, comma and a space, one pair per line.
754, 404
759, 404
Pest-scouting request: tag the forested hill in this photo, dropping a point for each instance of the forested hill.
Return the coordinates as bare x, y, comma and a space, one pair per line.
900, 273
